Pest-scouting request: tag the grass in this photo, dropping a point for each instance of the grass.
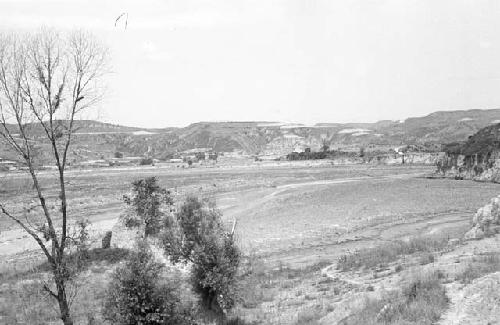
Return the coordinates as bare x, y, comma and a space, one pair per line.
309, 317
26, 303
479, 266
23, 301
391, 251
421, 301
283, 295
95, 255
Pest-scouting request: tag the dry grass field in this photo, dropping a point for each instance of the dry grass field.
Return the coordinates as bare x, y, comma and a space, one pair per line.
296, 224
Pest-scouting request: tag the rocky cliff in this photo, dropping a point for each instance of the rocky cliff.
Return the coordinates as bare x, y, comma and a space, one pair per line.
477, 158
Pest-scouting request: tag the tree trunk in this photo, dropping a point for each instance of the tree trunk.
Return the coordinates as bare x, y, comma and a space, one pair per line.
62, 299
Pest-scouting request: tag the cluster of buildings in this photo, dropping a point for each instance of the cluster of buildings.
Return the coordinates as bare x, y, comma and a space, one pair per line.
195, 155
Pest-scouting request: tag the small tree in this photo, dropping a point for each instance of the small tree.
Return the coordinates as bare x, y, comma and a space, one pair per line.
46, 80
137, 294
196, 234
81, 238
147, 200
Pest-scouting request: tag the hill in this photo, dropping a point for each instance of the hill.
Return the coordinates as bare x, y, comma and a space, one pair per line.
485, 141
95, 139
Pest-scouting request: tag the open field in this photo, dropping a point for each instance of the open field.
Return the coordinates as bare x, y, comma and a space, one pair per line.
294, 221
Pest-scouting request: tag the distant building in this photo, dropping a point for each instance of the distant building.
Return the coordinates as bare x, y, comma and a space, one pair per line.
196, 154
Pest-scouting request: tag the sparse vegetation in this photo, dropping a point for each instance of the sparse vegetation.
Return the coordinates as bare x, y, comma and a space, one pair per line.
77, 263
479, 266
390, 252
421, 301
426, 258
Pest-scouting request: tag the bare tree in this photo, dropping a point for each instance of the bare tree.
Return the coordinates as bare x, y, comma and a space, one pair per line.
46, 80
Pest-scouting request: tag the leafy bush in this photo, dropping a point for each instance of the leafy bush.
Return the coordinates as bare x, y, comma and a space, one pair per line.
196, 234
147, 200
138, 295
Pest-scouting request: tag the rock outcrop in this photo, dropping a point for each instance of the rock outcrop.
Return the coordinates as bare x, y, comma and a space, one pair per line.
486, 220
478, 158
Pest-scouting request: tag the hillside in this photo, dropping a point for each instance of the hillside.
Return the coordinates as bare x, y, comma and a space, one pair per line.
486, 140
477, 158
95, 139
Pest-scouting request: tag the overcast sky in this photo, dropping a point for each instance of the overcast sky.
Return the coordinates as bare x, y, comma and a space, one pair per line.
183, 61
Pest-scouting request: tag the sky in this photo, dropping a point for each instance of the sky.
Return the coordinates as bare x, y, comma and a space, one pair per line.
182, 61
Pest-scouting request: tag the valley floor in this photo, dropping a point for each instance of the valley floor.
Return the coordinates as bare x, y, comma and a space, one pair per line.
295, 220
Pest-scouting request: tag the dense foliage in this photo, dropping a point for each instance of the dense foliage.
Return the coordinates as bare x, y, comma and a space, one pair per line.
138, 295
196, 234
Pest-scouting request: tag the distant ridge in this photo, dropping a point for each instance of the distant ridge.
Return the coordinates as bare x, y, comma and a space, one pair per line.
98, 139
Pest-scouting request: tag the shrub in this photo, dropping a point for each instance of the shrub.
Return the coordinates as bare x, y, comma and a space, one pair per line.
196, 234
146, 161
147, 200
138, 295
79, 240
